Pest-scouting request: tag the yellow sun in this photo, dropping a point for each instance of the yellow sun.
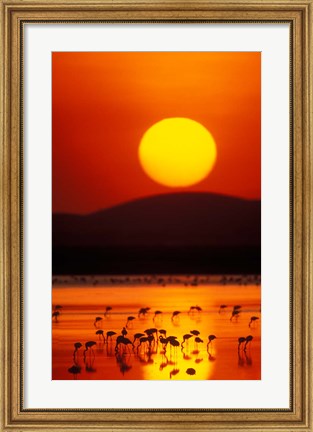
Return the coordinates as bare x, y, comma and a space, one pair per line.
177, 152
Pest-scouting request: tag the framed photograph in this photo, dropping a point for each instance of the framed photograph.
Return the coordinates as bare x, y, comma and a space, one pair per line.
156, 252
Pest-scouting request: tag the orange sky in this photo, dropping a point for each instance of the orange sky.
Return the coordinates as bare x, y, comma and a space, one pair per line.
104, 102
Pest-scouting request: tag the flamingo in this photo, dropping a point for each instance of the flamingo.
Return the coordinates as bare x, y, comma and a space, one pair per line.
175, 315
88, 346
110, 334
55, 315
248, 339
100, 333
235, 313
222, 308
107, 310
191, 371
241, 340
129, 320
195, 332
137, 336
211, 338
122, 340
185, 338
156, 314
198, 340
253, 319
194, 309
143, 311
124, 332
77, 345
97, 320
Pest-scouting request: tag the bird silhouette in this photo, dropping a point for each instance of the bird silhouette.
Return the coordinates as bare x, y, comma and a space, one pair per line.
194, 309
55, 315
185, 338
143, 311
124, 331
100, 333
253, 319
107, 310
195, 332
77, 345
211, 338
237, 307
121, 340
222, 308
58, 307
110, 334
129, 320
88, 347
137, 336
157, 314
191, 371
97, 321
235, 313
241, 340
175, 315
248, 340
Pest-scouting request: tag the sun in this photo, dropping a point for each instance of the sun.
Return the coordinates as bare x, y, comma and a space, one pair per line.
177, 152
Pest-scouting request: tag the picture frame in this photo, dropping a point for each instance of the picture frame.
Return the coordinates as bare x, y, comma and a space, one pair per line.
14, 416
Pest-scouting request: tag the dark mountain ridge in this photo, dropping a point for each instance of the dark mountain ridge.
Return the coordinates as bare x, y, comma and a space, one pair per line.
193, 233
193, 219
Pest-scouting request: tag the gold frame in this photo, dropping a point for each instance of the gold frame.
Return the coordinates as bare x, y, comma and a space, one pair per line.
298, 13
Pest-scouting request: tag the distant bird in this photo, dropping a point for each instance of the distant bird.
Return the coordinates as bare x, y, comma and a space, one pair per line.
211, 338
137, 336
88, 346
191, 371
110, 334
57, 307
97, 320
145, 339
248, 339
194, 309
143, 311
156, 314
107, 310
222, 308
253, 319
129, 320
121, 340
198, 340
235, 313
175, 314
77, 345
236, 307
55, 315
151, 331
195, 332
185, 338
100, 333
241, 340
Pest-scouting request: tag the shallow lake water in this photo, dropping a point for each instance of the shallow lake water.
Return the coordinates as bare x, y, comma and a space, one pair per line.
220, 359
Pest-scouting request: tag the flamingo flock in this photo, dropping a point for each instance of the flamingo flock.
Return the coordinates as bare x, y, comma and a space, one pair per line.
143, 345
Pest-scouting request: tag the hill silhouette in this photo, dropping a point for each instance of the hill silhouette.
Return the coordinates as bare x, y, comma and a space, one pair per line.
196, 232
